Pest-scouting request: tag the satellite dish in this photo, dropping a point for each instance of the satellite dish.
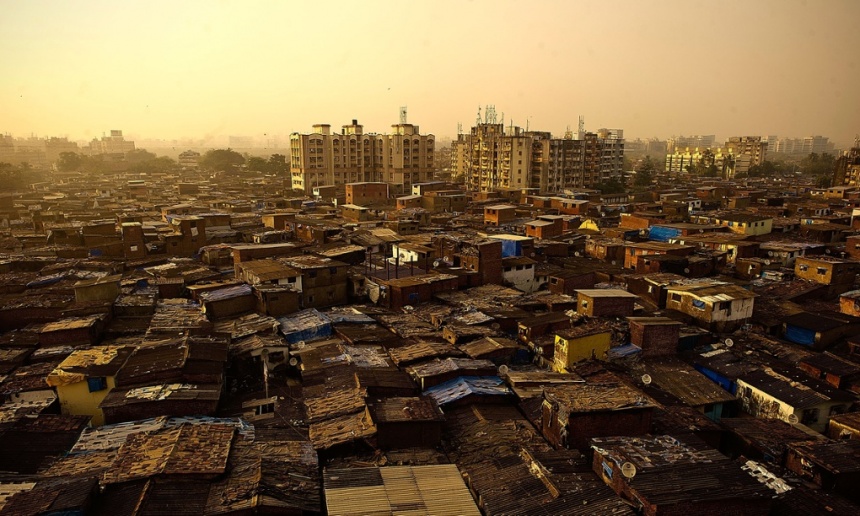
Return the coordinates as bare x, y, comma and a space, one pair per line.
792, 418
408, 308
576, 253
495, 326
686, 271
646, 379
613, 262
294, 361
767, 262
436, 263
538, 350
729, 343
827, 251
770, 253
300, 344
503, 370
628, 470
264, 352
446, 259
532, 255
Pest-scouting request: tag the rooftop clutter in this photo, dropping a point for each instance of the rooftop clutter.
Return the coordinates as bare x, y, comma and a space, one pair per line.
234, 348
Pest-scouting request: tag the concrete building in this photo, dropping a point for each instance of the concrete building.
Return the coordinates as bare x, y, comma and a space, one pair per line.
847, 170
113, 144
402, 158
492, 156
752, 146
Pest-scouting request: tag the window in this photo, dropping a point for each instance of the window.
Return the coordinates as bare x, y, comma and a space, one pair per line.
98, 383
725, 305
821, 271
584, 304
676, 297
803, 268
266, 408
554, 281
332, 270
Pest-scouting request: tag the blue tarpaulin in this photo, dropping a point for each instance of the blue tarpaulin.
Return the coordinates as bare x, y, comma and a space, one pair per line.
717, 378
799, 335
663, 234
305, 326
511, 248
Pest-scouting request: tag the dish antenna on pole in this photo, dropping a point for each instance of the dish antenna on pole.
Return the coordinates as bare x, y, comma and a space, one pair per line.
646, 379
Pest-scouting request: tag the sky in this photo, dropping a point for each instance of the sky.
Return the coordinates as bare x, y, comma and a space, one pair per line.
200, 69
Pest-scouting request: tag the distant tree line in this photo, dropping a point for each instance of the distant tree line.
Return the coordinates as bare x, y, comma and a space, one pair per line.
139, 161
18, 177
231, 162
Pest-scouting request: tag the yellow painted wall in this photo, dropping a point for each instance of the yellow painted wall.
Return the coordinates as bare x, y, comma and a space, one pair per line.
77, 400
572, 350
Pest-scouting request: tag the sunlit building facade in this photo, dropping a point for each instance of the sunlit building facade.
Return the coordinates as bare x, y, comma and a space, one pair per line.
401, 158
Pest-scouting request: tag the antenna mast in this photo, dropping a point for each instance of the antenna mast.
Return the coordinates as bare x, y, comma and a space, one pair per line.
402, 114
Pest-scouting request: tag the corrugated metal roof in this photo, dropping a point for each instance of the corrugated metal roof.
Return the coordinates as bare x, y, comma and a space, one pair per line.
436, 490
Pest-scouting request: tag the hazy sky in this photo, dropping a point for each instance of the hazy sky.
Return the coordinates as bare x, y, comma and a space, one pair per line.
654, 68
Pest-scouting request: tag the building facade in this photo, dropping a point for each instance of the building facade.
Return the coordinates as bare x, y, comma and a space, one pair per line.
493, 157
402, 158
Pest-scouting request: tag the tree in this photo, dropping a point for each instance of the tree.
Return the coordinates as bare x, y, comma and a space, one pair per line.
221, 160
710, 171
257, 164
278, 164
69, 161
818, 165
17, 177
139, 156
645, 172
610, 187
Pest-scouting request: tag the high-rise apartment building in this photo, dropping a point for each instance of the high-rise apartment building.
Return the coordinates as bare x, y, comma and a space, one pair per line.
401, 158
492, 156
847, 170
113, 144
803, 146
680, 143
749, 149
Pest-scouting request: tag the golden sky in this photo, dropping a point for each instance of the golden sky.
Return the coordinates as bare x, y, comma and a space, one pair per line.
171, 69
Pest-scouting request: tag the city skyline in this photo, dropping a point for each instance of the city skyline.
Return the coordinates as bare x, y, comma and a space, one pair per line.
206, 70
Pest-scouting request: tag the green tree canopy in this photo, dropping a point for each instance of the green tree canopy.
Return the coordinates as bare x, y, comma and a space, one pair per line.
17, 177
257, 164
221, 160
611, 187
818, 165
645, 171
69, 161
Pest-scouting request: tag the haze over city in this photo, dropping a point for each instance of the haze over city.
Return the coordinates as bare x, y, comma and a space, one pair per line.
203, 69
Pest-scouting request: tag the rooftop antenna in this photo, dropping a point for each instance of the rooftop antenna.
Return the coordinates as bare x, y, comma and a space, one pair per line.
581, 131
479, 122
402, 114
503, 119
490, 114
459, 128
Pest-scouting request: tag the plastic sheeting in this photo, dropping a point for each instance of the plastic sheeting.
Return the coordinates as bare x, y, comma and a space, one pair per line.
663, 234
799, 335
